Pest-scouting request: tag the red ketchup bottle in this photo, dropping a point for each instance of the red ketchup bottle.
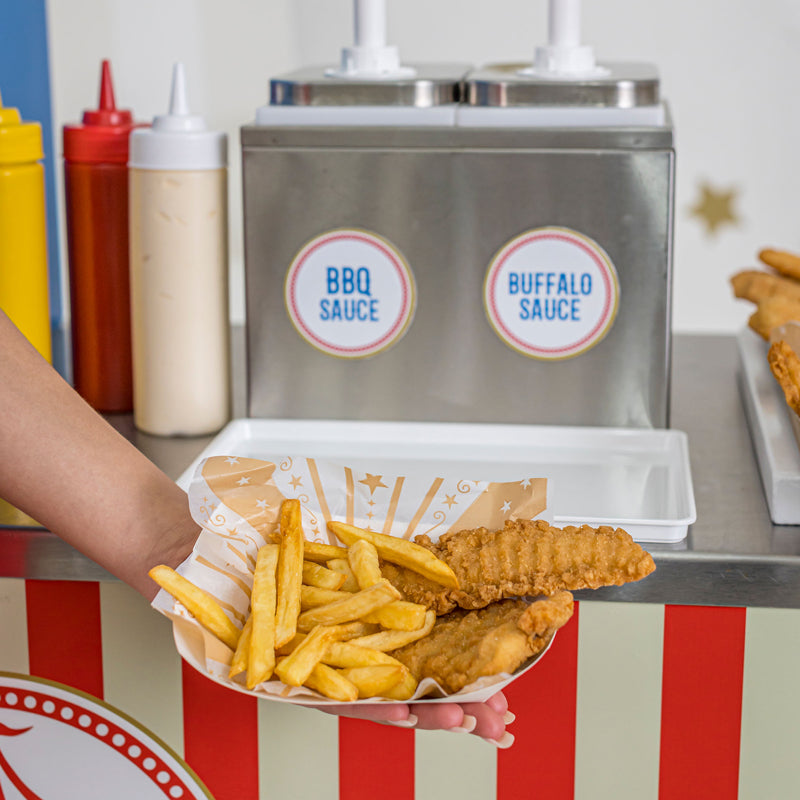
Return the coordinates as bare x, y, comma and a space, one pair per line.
96, 191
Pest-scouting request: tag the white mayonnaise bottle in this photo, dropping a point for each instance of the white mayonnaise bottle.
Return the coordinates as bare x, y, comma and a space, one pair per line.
179, 272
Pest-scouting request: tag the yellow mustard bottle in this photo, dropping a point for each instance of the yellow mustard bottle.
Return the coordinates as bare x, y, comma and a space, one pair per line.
23, 229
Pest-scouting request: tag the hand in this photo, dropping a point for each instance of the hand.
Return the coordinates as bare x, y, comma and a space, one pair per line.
487, 720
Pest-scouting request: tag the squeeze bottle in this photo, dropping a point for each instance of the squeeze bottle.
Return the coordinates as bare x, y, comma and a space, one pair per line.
23, 229
96, 192
179, 272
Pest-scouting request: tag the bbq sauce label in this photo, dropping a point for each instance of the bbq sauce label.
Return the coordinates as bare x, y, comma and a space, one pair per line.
551, 293
350, 293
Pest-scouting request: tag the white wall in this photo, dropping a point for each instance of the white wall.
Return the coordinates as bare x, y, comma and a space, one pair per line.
729, 71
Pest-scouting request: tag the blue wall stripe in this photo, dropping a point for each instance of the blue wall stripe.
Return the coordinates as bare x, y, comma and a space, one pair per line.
25, 84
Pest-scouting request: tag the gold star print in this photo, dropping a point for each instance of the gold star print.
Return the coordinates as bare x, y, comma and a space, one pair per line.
450, 500
295, 482
374, 482
715, 208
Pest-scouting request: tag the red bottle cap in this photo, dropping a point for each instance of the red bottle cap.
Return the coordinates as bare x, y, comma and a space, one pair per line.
103, 135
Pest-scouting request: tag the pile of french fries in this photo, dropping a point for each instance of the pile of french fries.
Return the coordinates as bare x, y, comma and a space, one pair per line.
322, 616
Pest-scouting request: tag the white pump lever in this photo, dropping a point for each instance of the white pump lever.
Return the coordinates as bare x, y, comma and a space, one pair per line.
564, 56
369, 56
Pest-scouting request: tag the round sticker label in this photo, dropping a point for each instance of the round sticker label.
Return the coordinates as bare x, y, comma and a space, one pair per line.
350, 293
551, 293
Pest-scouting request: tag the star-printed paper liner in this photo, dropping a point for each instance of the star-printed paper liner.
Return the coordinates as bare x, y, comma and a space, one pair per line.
237, 503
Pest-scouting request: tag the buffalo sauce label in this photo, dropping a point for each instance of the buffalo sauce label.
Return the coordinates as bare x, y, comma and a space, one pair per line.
350, 293
551, 293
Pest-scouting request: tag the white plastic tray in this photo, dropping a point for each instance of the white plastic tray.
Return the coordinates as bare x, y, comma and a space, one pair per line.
631, 478
768, 417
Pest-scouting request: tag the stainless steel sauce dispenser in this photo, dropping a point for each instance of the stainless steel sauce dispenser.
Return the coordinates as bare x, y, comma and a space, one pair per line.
450, 244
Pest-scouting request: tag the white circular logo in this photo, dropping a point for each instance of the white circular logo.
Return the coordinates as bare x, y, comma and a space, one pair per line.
551, 293
350, 293
91, 750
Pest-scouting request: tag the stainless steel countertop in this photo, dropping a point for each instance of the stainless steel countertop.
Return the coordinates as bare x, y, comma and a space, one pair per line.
733, 555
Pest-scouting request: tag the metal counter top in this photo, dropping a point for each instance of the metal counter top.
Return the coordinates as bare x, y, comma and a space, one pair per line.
733, 555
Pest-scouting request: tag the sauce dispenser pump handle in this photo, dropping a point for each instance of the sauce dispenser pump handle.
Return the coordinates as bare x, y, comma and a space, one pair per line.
369, 56
564, 56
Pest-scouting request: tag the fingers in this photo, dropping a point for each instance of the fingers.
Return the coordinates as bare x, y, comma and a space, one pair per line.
489, 724
487, 720
397, 713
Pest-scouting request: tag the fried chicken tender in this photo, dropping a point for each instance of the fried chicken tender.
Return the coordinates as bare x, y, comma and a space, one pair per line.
758, 285
466, 645
524, 559
785, 366
772, 312
787, 264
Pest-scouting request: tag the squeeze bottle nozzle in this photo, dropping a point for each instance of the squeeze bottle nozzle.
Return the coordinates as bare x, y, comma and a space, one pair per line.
178, 139
564, 56
369, 56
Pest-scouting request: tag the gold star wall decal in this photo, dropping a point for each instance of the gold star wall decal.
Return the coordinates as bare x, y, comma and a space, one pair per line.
715, 208
374, 482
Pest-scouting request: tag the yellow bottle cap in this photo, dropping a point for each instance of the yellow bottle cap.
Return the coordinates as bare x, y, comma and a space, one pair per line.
20, 142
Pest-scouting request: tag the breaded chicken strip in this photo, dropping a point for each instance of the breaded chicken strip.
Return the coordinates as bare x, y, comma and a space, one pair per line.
523, 559
466, 645
785, 366
787, 264
757, 285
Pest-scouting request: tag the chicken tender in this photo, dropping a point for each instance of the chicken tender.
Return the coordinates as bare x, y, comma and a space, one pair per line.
773, 312
787, 264
523, 559
785, 366
757, 285
466, 645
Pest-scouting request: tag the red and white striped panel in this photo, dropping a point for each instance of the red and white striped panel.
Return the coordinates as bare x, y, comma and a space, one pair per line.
632, 701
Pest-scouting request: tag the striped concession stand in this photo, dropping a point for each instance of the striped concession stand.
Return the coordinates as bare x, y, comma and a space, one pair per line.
632, 701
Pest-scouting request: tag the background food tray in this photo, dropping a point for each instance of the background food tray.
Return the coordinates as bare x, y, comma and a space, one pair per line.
631, 478
769, 420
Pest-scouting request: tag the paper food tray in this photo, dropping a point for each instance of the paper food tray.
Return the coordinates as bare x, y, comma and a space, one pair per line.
635, 479
770, 422
237, 501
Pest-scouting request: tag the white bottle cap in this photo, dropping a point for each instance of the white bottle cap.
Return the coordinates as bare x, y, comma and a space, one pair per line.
178, 140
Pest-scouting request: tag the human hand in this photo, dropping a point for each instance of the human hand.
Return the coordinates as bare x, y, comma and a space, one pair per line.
487, 720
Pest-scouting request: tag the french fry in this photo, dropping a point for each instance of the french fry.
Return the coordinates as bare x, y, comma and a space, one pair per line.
296, 667
347, 654
352, 630
261, 659
399, 615
343, 565
364, 561
313, 596
399, 551
202, 606
375, 680
404, 690
331, 683
352, 607
318, 551
240, 655
286, 649
321, 577
290, 572
386, 641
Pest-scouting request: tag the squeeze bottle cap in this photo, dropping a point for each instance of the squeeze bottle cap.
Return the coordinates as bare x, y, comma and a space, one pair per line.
103, 135
178, 140
20, 142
